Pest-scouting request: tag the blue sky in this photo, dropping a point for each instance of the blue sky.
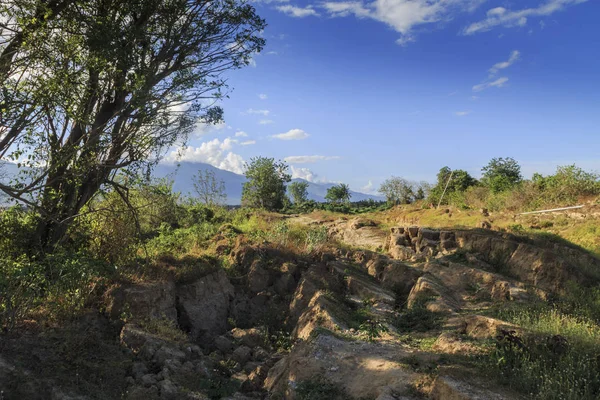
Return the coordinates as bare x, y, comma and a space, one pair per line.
357, 91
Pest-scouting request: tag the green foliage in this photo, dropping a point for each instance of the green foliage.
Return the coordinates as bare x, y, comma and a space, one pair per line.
265, 185
319, 389
121, 83
299, 192
460, 182
567, 185
559, 359
501, 174
210, 191
17, 232
418, 318
372, 329
338, 194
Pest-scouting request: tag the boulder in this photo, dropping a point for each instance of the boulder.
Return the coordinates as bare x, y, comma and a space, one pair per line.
141, 301
204, 306
285, 285
252, 337
242, 354
258, 277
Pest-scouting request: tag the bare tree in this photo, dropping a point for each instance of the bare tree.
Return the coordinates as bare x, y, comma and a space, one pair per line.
210, 191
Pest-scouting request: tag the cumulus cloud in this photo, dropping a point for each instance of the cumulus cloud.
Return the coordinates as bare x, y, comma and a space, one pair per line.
266, 121
304, 173
292, 134
486, 85
241, 134
402, 15
214, 152
462, 113
309, 159
298, 12
252, 111
203, 129
514, 57
263, 96
500, 16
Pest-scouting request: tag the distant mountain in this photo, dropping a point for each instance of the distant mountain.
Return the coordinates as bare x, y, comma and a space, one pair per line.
183, 173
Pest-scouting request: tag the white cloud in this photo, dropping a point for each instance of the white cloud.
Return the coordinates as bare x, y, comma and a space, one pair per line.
304, 173
298, 12
271, 53
241, 134
248, 142
402, 15
500, 16
214, 152
204, 129
369, 188
462, 113
292, 134
309, 159
262, 96
486, 85
259, 112
514, 57
266, 121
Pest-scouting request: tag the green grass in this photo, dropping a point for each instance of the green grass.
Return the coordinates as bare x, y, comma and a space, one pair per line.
559, 358
319, 389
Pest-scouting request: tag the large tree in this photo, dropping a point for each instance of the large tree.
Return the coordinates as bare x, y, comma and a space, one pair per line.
339, 193
298, 191
89, 88
265, 185
501, 174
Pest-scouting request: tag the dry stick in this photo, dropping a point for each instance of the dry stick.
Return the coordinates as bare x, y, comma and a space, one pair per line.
446, 188
552, 210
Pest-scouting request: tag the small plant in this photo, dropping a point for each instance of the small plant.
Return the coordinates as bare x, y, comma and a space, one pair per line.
372, 329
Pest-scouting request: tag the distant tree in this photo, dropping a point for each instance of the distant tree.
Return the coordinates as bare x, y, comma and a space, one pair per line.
397, 190
338, 194
460, 182
501, 174
209, 189
298, 191
265, 185
422, 190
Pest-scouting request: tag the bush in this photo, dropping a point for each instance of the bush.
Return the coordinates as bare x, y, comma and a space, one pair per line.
17, 230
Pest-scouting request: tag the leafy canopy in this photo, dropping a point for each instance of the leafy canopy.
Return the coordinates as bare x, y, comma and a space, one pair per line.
338, 194
501, 174
265, 185
299, 192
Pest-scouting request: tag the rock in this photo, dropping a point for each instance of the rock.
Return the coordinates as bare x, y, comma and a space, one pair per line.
138, 369
141, 301
402, 253
290, 268
260, 354
484, 212
167, 352
204, 306
285, 285
242, 354
433, 295
148, 380
168, 390
223, 344
413, 231
258, 277
136, 338
485, 225
429, 234
143, 393
358, 223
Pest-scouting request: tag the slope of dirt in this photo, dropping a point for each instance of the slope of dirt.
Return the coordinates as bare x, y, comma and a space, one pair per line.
388, 314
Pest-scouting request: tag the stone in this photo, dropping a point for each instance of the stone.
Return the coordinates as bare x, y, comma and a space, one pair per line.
242, 354
167, 352
148, 380
260, 354
204, 306
138, 369
141, 301
285, 285
168, 390
251, 337
223, 344
258, 277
